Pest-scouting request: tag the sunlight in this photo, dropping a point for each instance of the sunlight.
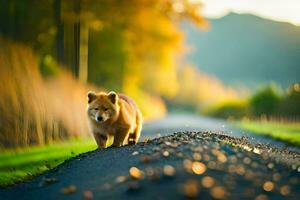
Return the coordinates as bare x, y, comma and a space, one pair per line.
278, 10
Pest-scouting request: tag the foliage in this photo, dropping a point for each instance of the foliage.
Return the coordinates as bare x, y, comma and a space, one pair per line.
268, 102
118, 59
136, 55
265, 101
289, 106
128, 52
231, 109
30, 22
21, 164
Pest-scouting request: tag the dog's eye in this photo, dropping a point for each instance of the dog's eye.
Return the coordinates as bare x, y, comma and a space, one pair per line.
105, 109
96, 108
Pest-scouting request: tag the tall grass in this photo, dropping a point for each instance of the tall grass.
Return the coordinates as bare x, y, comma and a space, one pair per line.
34, 111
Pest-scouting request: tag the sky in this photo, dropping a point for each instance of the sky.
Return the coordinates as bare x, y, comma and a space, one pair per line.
278, 10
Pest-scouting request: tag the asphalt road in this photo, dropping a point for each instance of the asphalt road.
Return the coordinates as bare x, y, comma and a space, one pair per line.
187, 122
214, 164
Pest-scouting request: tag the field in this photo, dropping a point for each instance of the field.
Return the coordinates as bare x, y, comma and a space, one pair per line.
286, 131
19, 165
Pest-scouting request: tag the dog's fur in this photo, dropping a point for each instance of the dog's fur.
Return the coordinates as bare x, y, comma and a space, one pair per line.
114, 115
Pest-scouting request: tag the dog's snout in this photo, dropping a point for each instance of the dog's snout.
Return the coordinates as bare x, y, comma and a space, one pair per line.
99, 118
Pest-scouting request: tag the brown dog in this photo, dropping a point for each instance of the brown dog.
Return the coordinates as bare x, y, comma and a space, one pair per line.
114, 115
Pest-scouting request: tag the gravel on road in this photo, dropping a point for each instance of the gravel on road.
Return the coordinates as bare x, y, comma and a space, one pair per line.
192, 165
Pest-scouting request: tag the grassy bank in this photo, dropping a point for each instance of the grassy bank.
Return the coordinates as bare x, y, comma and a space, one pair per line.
285, 131
19, 165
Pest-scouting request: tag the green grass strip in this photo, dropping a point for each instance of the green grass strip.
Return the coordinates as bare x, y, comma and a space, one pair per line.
21, 164
287, 132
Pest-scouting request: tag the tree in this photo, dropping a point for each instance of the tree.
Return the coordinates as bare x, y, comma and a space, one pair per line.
130, 46
265, 101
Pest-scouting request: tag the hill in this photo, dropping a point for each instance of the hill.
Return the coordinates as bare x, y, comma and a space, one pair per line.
246, 50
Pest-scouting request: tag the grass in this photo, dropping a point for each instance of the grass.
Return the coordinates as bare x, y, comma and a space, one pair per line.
22, 164
285, 131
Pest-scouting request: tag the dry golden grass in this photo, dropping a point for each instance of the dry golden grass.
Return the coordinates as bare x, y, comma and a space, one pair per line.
33, 110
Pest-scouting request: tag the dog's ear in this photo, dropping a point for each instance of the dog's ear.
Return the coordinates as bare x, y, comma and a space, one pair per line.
91, 96
113, 97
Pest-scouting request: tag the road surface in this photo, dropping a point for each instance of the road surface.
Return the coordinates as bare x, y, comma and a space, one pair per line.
187, 122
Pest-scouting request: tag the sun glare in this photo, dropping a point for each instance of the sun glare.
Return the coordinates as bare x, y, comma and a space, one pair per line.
278, 10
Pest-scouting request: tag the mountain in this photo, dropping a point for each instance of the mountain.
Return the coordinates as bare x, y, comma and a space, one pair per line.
246, 50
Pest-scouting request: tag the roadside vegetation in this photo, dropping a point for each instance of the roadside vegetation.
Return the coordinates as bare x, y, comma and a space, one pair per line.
286, 131
269, 101
270, 111
21, 164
